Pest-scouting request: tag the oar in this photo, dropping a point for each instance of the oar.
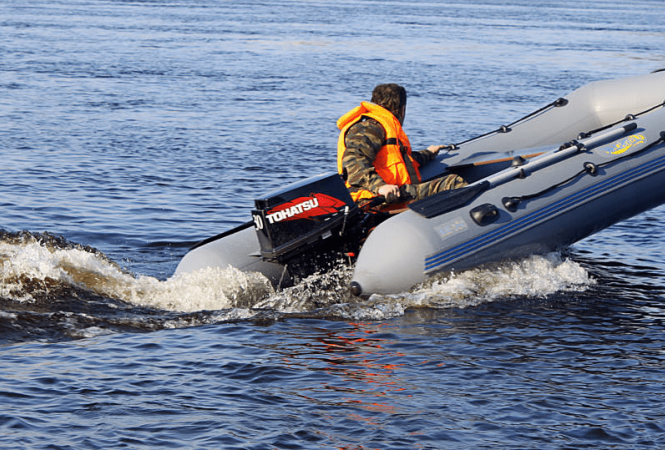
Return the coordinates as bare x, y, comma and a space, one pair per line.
443, 202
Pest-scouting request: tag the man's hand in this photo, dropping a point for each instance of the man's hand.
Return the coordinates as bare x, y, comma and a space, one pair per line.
435, 148
390, 192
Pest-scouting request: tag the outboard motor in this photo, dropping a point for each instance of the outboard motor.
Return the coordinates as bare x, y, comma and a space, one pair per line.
312, 216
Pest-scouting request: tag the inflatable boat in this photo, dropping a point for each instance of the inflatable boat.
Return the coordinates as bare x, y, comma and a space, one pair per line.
574, 167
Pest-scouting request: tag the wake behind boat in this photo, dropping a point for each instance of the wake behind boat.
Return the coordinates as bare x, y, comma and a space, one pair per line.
573, 168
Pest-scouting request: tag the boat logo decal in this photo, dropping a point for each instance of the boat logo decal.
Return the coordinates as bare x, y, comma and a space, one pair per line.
451, 227
305, 208
624, 145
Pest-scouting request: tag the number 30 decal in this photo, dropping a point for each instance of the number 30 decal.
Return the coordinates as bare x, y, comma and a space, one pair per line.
258, 222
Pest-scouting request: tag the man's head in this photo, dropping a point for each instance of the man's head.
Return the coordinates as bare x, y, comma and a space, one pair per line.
392, 97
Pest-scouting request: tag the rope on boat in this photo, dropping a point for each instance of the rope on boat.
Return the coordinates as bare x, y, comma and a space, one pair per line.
559, 102
625, 119
555, 104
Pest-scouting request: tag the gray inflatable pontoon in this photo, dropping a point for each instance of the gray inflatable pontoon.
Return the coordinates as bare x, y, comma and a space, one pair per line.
573, 168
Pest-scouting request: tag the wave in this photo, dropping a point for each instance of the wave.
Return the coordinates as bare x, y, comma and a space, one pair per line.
48, 275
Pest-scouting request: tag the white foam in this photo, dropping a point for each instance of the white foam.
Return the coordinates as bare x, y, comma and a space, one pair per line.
8, 316
240, 295
535, 276
206, 289
320, 290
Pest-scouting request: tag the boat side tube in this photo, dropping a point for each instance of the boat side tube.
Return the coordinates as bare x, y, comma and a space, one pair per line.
590, 107
613, 176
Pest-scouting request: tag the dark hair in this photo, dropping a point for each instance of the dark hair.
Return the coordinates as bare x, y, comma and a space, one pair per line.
391, 96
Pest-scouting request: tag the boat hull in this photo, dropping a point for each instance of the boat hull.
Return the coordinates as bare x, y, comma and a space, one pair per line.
239, 249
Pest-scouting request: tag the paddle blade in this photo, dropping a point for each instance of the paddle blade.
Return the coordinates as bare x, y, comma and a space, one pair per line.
441, 203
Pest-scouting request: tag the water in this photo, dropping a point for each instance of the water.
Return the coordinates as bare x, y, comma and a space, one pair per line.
132, 129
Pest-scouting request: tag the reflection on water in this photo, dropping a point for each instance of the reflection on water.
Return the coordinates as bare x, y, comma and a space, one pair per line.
361, 371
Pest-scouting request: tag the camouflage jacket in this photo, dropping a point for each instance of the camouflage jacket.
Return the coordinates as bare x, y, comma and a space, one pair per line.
363, 141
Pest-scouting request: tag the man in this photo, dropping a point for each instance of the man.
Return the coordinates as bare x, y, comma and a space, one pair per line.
374, 154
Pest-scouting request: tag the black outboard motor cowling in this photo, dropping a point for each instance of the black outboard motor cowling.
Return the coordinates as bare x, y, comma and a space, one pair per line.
304, 216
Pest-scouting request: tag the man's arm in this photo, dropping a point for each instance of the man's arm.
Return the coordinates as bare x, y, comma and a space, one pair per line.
424, 156
363, 142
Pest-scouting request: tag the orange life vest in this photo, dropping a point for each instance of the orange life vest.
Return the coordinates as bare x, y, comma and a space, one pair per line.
389, 162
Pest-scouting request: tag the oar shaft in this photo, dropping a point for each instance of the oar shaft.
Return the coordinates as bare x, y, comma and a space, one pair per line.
558, 154
443, 202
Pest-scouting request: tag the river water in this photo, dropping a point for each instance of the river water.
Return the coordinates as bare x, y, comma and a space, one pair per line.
129, 130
